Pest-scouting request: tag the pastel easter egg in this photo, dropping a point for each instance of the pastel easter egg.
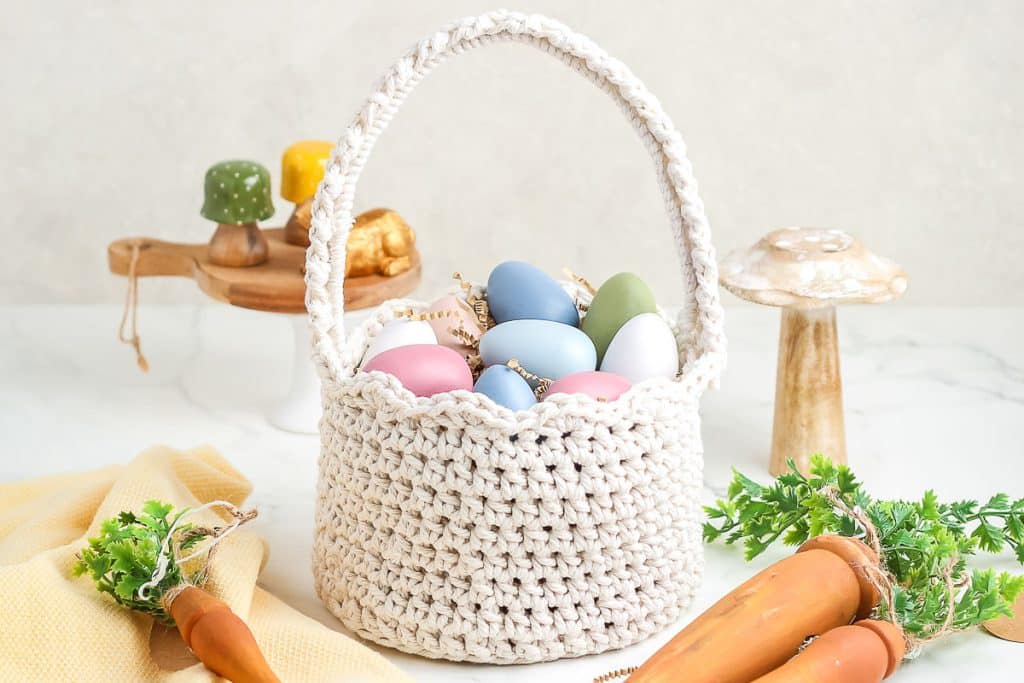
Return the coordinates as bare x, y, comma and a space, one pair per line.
620, 298
604, 386
456, 314
506, 387
519, 291
424, 369
542, 347
643, 348
400, 333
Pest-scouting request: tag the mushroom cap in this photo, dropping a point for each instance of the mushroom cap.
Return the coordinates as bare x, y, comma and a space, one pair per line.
811, 268
237, 192
302, 169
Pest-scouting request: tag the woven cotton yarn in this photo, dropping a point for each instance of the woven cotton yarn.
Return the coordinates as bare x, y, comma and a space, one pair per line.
450, 527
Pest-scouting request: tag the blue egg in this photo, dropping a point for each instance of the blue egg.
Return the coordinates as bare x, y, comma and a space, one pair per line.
505, 387
519, 291
543, 347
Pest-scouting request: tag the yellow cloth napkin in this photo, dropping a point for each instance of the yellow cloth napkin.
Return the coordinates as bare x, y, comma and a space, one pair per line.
56, 627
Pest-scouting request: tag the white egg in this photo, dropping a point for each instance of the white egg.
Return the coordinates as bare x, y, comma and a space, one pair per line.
642, 348
400, 333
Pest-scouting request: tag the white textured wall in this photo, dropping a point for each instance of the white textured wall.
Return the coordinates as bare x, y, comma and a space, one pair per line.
898, 121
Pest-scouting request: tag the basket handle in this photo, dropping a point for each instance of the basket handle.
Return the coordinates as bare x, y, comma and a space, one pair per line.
700, 318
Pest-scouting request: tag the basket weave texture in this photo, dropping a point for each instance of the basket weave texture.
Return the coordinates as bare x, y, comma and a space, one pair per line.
451, 527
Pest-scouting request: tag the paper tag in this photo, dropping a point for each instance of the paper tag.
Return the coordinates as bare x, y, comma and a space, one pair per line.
1007, 628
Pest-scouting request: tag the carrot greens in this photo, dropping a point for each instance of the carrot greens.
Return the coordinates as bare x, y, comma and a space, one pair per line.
124, 557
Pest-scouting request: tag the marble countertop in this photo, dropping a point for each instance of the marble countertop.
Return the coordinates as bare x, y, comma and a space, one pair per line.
934, 399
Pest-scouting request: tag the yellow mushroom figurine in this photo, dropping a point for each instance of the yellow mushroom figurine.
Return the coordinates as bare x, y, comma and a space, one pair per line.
302, 169
380, 242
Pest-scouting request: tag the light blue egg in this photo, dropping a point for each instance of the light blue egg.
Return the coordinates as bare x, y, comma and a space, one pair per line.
543, 347
519, 291
505, 387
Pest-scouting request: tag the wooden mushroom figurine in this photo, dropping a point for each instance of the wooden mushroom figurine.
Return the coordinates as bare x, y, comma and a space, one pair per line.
302, 169
236, 195
807, 272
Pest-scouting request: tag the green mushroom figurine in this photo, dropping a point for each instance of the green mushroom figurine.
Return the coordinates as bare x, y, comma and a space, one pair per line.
236, 195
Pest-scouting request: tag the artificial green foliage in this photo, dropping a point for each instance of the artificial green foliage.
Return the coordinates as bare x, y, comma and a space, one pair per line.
124, 557
921, 541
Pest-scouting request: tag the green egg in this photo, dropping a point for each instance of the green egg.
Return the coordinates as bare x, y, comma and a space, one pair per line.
620, 298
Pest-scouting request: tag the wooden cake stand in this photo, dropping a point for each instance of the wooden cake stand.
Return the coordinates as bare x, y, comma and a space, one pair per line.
275, 286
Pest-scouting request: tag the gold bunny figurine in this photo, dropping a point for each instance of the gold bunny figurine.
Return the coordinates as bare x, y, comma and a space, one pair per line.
380, 243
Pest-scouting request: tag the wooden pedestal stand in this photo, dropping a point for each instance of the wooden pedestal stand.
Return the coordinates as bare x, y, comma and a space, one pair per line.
275, 286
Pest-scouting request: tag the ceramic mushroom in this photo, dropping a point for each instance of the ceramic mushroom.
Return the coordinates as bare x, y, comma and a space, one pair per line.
302, 169
808, 272
236, 195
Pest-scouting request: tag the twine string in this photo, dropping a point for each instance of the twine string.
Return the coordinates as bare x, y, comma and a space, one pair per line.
215, 535
612, 675
131, 309
886, 583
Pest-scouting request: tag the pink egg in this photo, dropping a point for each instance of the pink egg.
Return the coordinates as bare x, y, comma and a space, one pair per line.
424, 369
604, 386
459, 315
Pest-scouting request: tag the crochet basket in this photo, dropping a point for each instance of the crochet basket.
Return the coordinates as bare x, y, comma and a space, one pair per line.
450, 527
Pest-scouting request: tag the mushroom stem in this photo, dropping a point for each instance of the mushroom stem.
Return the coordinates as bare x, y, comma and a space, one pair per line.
238, 245
296, 230
808, 390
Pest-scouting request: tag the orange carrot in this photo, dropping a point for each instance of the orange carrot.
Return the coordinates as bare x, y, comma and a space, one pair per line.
760, 625
219, 638
866, 652
859, 556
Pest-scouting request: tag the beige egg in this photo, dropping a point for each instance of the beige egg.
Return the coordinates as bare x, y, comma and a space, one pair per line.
458, 315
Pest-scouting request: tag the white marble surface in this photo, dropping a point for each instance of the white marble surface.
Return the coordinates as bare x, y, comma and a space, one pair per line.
935, 398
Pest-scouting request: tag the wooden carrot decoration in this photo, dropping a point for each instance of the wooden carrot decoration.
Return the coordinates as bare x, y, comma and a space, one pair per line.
821, 587
926, 546
141, 561
866, 652
219, 638
911, 571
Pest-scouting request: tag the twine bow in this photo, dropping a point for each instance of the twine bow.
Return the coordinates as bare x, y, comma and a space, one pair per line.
216, 534
886, 583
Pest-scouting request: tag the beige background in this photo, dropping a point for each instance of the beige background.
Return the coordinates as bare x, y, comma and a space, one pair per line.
898, 121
